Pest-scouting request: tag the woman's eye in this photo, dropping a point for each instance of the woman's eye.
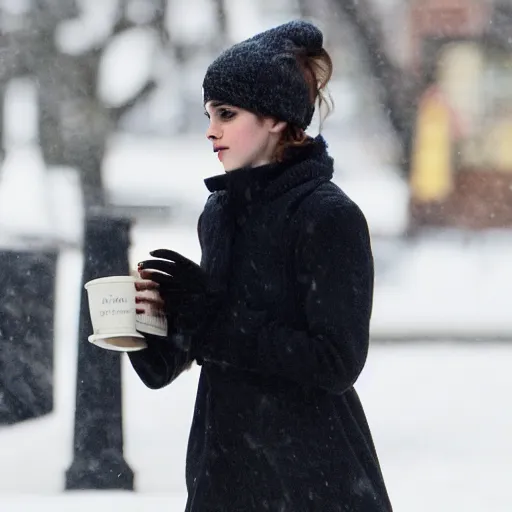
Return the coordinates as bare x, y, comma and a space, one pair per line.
226, 114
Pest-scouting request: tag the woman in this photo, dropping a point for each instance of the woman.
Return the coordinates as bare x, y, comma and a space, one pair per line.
278, 311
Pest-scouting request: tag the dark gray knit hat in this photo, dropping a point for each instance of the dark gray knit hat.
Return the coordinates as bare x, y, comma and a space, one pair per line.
261, 74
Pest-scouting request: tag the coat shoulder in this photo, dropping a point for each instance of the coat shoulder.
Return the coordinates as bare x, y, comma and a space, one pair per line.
211, 209
328, 201
214, 200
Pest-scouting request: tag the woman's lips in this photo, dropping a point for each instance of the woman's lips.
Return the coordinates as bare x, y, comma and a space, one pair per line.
219, 150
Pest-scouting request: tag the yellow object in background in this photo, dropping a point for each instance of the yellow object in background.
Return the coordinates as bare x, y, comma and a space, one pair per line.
499, 147
431, 166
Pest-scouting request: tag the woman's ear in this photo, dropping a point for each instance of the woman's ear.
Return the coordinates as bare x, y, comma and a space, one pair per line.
278, 126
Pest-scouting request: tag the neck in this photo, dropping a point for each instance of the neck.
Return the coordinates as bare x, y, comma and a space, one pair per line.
260, 162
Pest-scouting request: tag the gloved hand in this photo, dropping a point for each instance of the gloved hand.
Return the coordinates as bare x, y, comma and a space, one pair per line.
183, 286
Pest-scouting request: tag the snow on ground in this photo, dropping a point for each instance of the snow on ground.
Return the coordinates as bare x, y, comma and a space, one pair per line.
445, 284
439, 423
87, 501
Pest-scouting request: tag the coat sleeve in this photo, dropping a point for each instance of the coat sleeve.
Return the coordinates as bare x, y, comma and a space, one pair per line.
160, 363
334, 274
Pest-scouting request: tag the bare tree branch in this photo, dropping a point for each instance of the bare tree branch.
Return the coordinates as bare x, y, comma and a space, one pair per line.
145, 92
396, 88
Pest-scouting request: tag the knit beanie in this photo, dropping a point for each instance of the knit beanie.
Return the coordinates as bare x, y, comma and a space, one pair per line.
262, 75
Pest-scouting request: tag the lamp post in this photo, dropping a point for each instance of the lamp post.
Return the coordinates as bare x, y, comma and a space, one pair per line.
98, 460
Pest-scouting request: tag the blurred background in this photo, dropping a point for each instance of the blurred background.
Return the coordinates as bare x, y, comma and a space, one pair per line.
102, 144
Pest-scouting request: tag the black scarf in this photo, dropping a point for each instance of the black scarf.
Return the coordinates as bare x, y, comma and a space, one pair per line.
237, 193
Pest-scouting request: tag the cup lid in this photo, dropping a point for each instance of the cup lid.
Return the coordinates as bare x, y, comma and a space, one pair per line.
109, 279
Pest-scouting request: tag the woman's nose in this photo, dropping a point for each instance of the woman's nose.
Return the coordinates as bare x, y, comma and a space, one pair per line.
212, 132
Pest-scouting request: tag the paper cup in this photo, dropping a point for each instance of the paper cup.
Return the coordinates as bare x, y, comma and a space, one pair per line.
112, 309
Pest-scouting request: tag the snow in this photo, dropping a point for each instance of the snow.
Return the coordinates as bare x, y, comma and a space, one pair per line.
87, 501
49, 211
91, 28
66, 203
192, 22
383, 196
152, 171
28, 213
126, 65
20, 115
49, 207
436, 411
250, 13
446, 284
16, 7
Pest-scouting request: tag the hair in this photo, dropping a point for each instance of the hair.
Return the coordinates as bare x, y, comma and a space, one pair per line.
317, 69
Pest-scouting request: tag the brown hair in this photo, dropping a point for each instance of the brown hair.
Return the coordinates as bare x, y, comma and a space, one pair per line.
317, 70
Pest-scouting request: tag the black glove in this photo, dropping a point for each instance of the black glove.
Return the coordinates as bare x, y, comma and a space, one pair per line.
183, 286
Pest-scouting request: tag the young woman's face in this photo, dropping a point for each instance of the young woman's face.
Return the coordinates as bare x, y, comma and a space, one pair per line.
239, 137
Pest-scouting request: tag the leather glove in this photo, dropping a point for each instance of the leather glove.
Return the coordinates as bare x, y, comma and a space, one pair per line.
183, 286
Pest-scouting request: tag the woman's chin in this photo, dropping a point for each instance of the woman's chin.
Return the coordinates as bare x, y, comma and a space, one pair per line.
229, 167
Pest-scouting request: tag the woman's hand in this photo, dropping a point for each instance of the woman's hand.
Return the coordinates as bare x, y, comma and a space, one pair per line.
183, 293
174, 273
147, 298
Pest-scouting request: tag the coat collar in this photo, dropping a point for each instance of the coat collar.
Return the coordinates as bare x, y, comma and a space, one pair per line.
301, 164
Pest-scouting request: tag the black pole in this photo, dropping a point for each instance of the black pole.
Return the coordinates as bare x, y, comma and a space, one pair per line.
98, 461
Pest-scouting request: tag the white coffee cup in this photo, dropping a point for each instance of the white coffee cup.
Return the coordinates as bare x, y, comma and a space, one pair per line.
113, 315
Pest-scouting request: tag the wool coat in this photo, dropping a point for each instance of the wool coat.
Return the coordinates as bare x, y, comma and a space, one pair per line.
278, 425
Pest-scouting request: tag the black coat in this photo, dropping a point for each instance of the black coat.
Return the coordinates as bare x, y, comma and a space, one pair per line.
277, 424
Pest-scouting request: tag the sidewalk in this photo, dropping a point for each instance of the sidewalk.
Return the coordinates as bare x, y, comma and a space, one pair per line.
444, 284
81, 501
